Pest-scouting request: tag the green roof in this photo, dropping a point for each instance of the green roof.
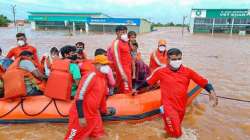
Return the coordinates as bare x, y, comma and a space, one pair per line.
67, 13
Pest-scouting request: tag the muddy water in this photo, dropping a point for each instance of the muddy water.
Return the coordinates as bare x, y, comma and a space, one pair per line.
223, 59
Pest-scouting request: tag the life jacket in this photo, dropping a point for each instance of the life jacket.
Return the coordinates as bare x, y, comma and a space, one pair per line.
14, 79
86, 66
159, 59
60, 81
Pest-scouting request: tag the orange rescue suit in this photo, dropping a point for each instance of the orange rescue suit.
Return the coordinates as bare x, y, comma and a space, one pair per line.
174, 87
15, 52
122, 59
92, 93
157, 59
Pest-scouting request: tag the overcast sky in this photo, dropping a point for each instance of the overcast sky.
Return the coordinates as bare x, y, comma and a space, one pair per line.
154, 10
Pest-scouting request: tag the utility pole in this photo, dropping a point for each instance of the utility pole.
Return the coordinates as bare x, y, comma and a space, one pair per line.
13, 7
183, 22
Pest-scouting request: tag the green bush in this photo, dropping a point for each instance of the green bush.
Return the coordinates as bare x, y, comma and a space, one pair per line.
4, 21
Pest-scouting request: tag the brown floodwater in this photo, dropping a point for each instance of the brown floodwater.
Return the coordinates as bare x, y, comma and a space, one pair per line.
223, 59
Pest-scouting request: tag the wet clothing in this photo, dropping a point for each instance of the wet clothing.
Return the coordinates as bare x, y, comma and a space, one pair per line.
5, 62
120, 53
89, 103
174, 88
15, 52
142, 71
31, 86
157, 59
75, 71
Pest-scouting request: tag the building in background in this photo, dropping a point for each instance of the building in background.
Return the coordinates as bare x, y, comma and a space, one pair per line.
85, 21
220, 21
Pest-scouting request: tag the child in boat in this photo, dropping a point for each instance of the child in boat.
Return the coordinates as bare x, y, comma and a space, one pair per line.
140, 70
48, 59
80, 46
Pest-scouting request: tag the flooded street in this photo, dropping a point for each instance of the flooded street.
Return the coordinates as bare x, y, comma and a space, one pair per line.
223, 59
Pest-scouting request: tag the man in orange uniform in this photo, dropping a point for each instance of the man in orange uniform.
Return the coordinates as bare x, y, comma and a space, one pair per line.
174, 80
90, 102
159, 57
22, 46
122, 59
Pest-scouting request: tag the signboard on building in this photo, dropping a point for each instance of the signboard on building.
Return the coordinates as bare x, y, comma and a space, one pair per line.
198, 13
58, 18
115, 21
220, 13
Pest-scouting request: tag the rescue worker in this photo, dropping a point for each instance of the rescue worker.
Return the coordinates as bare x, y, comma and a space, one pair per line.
85, 114
174, 81
24, 69
159, 57
48, 59
22, 45
122, 61
87, 65
80, 46
69, 52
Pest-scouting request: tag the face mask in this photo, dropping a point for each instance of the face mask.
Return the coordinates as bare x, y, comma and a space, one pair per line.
73, 57
20, 43
162, 48
105, 69
124, 37
79, 49
175, 64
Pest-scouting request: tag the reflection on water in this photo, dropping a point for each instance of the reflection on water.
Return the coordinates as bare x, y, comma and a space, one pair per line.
223, 59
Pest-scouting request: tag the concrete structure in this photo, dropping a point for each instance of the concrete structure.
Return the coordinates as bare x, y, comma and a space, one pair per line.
93, 22
220, 21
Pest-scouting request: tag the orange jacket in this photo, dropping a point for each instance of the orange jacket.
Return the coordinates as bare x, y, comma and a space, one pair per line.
157, 59
60, 80
15, 52
16, 74
86, 66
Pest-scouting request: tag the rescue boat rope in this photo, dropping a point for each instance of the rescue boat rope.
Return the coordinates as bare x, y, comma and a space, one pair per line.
11, 110
26, 113
228, 98
58, 111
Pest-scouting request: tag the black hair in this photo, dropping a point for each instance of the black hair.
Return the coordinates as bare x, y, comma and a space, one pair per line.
120, 28
1, 50
81, 44
67, 49
130, 33
174, 51
54, 50
100, 51
26, 53
20, 34
135, 44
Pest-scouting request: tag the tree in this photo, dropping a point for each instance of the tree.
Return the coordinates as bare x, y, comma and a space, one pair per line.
4, 21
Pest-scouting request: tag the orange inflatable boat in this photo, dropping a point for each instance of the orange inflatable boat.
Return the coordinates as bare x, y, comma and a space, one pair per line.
35, 109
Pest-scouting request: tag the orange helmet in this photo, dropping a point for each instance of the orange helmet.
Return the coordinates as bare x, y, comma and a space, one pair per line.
162, 42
